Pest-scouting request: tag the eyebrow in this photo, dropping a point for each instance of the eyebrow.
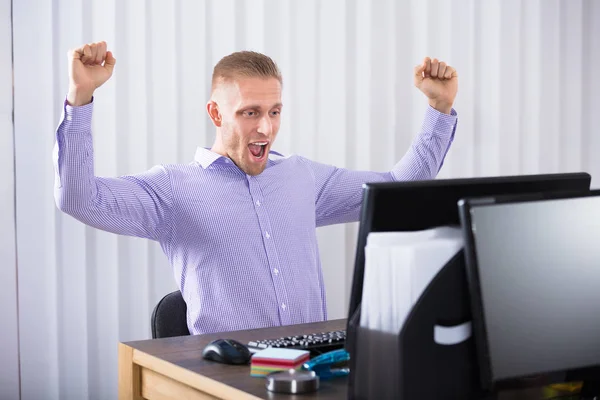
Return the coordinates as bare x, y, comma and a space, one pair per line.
256, 106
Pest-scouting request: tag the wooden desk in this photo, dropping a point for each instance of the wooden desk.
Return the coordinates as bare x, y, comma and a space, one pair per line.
173, 368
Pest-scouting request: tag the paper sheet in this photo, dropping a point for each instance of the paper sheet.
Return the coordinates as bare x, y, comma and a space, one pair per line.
398, 268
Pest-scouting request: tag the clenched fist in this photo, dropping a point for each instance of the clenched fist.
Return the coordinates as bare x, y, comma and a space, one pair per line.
439, 82
89, 67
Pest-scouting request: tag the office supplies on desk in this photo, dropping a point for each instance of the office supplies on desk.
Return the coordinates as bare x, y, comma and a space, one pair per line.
271, 360
169, 368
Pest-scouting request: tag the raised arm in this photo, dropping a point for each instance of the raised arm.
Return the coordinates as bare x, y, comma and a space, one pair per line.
338, 191
136, 205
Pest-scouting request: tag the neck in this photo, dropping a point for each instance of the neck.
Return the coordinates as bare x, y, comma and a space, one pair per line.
217, 146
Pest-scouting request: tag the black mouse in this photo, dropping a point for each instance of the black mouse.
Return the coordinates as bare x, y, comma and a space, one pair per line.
227, 351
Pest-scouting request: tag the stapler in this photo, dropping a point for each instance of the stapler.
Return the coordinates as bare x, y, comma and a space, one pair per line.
322, 365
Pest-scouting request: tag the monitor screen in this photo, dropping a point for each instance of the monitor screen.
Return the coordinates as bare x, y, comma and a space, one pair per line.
417, 205
533, 268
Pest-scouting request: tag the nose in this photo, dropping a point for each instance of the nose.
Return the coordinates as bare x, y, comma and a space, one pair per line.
265, 126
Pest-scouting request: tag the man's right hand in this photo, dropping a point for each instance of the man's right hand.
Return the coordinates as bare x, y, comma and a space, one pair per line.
89, 67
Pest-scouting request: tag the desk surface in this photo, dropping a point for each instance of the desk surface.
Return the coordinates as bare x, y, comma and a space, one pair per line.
173, 368
147, 368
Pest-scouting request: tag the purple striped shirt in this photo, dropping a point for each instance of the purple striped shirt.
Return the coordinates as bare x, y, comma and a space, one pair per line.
243, 248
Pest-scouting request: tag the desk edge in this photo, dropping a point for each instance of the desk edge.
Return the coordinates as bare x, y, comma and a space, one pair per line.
193, 379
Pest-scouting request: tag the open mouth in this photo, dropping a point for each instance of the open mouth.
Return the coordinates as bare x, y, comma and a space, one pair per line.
258, 150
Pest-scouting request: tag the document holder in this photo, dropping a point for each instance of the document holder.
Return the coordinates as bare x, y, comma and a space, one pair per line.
410, 365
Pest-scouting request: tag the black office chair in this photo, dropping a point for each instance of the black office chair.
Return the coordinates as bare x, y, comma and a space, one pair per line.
169, 317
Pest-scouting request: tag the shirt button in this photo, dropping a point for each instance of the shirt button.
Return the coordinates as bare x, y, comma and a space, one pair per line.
258, 203
267, 235
283, 306
276, 271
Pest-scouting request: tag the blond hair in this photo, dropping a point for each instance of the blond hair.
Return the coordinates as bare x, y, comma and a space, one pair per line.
248, 64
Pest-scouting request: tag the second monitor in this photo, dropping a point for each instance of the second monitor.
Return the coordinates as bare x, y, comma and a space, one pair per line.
532, 266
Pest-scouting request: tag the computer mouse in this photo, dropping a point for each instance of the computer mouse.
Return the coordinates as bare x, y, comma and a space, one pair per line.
227, 351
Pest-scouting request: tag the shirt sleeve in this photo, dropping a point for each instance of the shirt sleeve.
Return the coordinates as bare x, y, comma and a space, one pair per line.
338, 191
135, 205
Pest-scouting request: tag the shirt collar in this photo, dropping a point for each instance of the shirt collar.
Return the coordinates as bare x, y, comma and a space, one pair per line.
205, 157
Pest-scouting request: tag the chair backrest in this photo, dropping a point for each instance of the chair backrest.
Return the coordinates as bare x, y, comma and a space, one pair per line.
169, 317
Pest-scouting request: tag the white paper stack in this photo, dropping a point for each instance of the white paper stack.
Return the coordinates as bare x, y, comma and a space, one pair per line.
398, 268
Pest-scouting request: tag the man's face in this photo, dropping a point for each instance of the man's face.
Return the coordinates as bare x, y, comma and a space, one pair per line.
249, 111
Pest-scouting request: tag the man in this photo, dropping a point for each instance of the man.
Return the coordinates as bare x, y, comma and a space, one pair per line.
239, 224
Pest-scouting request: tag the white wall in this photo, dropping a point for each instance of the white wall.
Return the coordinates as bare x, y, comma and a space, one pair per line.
9, 344
528, 93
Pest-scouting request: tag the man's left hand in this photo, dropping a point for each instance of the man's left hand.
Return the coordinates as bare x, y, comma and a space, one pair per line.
439, 82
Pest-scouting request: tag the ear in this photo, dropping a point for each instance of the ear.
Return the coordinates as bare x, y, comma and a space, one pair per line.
212, 109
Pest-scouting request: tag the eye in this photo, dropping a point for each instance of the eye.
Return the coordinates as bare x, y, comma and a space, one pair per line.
275, 113
250, 113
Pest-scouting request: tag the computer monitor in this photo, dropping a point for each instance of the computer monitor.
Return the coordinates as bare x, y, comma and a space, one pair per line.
417, 205
533, 272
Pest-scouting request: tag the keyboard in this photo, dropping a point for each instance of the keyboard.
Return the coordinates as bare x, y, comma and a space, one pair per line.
316, 343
